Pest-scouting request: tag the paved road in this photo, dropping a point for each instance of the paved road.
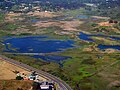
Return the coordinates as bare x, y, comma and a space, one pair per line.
62, 84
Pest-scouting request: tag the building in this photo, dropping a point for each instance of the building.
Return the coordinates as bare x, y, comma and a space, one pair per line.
33, 76
46, 86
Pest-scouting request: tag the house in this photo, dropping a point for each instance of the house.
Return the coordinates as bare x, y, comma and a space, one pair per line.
46, 86
33, 76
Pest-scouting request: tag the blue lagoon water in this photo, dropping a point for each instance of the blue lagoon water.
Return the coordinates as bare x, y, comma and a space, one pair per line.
35, 20
38, 44
82, 17
87, 37
102, 47
53, 58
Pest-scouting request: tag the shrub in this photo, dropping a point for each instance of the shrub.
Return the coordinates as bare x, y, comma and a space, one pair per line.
19, 78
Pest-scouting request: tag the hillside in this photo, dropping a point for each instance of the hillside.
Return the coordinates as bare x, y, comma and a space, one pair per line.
16, 85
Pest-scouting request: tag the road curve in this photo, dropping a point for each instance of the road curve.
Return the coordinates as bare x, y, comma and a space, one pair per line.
62, 84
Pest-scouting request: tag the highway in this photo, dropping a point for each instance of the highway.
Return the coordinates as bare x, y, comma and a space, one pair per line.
62, 84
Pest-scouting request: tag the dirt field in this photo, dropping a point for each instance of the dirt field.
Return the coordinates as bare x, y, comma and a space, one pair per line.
11, 17
7, 70
16, 85
43, 14
21, 30
99, 17
105, 24
65, 25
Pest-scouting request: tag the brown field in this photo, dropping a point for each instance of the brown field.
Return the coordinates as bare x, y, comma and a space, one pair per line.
65, 25
7, 70
11, 17
21, 30
43, 14
105, 24
99, 17
16, 85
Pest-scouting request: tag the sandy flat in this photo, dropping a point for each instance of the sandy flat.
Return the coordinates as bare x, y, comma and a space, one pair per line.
6, 70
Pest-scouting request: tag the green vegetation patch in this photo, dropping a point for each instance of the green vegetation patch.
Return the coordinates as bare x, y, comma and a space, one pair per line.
1, 17
10, 26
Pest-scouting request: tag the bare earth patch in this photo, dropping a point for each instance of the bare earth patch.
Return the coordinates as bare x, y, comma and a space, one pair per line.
91, 48
111, 51
99, 17
43, 14
105, 24
11, 17
6, 70
65, 25
21, 30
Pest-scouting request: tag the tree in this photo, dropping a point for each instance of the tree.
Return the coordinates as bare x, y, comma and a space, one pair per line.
19, 78
111, 21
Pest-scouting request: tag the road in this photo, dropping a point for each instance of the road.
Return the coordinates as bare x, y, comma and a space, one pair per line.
43, 54
62, 84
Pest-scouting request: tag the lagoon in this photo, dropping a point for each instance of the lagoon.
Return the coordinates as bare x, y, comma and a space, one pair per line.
38, 44
103, 47
87, 37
